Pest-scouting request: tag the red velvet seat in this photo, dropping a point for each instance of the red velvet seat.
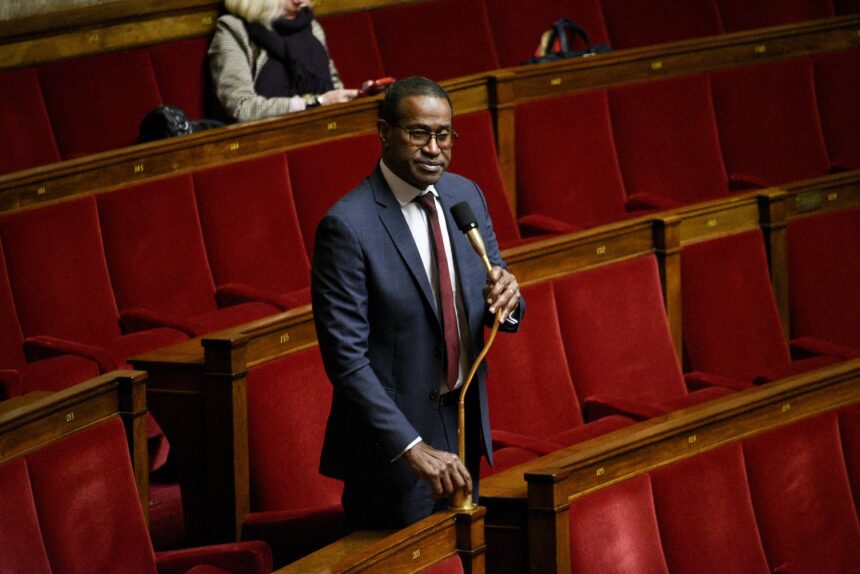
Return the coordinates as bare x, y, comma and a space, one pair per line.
293, 507
158, 266
837, 81
90, 515
517, 29
60, 283
743, 15
731, 324
24, 121
181, 74
475, 157
708, 495
568, 177
618, 344
533, 405
667, 142
439, 39
767, 119
632, 24
17, 375
849, 430
96, 103
844, 7
824, 277
615, 530
253, 240
22, 548
806, 517
352, 45
316, 188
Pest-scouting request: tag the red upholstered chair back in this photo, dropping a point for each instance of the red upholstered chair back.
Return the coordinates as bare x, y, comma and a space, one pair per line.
824, 276
708, 494
742, 15
837, 81
22, 548
567, 164
517, 29
97, 103
615, 530
288, 404
529, 386
767, 118
24, 124
439, 39
87, 503
154, 248
846, 6
632, 24
730, 320
58, 272
616, 334
475, 157
849, 430
352, 45
250, 226
667, 142
317, 185
11, 337
805, 516
181, 74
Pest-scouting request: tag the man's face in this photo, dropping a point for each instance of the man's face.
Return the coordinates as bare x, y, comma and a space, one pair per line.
419, 166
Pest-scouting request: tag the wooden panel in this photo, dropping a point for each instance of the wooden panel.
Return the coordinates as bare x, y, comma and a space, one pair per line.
411, 549
833, 192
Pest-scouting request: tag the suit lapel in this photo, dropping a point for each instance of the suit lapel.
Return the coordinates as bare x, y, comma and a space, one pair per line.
394, 223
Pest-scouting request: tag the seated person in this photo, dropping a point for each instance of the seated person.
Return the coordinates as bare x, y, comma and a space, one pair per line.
269, 57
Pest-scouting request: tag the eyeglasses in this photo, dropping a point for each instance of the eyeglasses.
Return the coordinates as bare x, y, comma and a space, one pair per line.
420, 137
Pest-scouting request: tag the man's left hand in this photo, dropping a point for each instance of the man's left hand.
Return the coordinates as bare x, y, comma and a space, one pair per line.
502, 292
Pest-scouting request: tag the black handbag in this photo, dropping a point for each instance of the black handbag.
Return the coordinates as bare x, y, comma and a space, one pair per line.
557, 42
168, 121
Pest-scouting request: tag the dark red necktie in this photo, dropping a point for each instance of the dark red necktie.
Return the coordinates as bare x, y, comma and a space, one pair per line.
446, 293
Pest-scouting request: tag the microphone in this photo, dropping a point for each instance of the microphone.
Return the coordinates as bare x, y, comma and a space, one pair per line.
466, 221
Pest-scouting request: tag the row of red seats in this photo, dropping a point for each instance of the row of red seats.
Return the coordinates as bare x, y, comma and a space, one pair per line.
64, 110
758, 506
590, 158
596, 355
71, 506
444, 39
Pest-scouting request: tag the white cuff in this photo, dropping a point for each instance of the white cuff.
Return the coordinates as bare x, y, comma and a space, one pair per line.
407, 449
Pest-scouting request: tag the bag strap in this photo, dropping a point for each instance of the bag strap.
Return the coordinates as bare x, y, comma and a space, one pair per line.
559, 32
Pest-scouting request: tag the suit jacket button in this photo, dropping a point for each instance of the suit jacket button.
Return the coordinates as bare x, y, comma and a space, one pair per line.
434, 395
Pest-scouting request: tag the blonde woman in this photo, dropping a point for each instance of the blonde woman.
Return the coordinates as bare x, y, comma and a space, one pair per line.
269, 57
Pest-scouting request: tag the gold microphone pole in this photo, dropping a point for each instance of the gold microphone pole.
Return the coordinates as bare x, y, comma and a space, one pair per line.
460, 500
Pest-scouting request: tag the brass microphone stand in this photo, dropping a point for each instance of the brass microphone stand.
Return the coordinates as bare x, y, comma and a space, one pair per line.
460, 500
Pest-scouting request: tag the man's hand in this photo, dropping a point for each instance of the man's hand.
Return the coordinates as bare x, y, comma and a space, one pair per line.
443, 470
502, 292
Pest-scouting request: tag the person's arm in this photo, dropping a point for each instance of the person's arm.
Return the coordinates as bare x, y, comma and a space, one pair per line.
231, 65
319, 34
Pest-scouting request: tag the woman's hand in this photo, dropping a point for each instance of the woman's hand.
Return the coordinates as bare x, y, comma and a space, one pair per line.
337, 97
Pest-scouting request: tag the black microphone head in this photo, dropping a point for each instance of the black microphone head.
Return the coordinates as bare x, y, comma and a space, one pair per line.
464, 217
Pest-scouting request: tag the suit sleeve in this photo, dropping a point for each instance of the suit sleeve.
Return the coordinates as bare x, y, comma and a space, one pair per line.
340, 305
494, 255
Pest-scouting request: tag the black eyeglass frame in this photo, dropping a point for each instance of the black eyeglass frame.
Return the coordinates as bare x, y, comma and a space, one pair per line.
427, 135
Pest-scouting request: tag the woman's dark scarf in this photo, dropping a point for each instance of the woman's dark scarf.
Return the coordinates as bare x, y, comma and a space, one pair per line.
298, 63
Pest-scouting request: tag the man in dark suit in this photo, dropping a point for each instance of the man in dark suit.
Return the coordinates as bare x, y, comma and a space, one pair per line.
400, 301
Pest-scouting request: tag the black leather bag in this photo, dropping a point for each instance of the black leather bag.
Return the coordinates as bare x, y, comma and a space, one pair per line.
168, 121
557, 43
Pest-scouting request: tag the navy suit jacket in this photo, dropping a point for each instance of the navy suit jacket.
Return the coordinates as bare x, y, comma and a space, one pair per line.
381, 340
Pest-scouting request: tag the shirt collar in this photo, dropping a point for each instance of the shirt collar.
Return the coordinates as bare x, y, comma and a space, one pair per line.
403, 192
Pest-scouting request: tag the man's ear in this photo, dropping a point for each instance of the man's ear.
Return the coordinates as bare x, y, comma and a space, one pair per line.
383, 128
